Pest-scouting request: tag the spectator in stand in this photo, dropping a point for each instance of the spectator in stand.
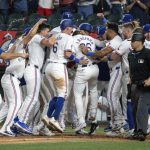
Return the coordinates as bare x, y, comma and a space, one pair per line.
45, 7
139, 10
21, 7
4, 8
85, 7
32, 6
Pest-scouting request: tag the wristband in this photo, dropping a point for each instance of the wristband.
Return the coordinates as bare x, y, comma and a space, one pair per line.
76, 60
72, 57
90, 54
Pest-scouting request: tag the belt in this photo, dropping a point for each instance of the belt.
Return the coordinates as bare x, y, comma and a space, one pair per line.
56, 62
94, 63
33, 65
14, 76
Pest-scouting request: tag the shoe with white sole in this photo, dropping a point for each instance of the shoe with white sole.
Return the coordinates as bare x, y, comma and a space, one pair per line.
112, 134
46, 132
22, 127
55, 124
80, 126
81, 132
46, 121
7, 133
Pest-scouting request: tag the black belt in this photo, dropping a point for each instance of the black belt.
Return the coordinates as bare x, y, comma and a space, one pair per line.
56, 62
94, 63
34, 66
14, 76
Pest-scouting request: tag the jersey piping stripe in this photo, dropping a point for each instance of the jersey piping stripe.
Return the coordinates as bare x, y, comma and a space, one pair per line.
66, 81
35, 71
113, 85
15, 94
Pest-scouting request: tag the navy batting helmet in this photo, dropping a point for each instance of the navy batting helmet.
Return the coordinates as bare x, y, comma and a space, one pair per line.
67, 15
86, 27
66, 23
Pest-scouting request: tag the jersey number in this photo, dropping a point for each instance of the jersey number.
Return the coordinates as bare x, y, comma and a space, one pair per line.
55, 47
88, 45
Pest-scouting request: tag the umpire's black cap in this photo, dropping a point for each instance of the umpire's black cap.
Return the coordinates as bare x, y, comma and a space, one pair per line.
138, 37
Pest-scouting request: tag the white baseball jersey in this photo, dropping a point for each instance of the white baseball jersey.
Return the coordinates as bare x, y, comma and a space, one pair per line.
147, 44
63, 42
123, 51
114, 44
36, 51
17, 65
87, 41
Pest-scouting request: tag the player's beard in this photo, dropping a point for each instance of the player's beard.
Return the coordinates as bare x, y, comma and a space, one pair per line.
108, 37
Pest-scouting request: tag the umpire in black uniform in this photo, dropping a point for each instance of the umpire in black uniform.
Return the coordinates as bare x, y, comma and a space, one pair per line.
139, 64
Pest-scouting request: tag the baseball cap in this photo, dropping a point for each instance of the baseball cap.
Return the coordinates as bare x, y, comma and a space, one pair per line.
127, 18
100, 30
146, 28
138, 37
67, 15
66, 23
86, 27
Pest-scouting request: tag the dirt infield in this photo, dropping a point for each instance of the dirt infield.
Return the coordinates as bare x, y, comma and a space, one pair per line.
58, 138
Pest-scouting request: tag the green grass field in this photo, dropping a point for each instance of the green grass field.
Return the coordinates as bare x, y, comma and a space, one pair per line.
109, 145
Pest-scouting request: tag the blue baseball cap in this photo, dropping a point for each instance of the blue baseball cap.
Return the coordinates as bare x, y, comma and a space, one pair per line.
127, 18
86, 27
146, 28
100, 30
67, 15
66, 23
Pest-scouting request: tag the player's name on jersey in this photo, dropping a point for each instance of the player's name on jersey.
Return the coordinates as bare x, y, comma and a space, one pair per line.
59, 37
85, 38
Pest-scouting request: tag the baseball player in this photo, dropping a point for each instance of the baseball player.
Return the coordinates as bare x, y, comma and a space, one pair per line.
32, 75
146, 29
121, 54
57, 72
85, 74
113, 93
10, 83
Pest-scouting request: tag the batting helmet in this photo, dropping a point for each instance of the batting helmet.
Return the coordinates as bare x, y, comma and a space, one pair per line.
138, 37
146, 28
100, 30
67, 15
66, 23
86, 27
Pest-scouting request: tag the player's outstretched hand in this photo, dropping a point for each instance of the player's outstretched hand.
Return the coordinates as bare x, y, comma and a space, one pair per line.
100, 15
84, 49
24, 55
42, 20
83, 62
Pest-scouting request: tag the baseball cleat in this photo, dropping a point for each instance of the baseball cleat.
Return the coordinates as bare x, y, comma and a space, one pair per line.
7, 133
54, 123
23, 127
80, 126
81, 132
45, 120
93, 128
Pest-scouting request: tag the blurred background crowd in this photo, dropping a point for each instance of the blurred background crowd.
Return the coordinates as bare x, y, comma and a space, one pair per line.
15, 14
